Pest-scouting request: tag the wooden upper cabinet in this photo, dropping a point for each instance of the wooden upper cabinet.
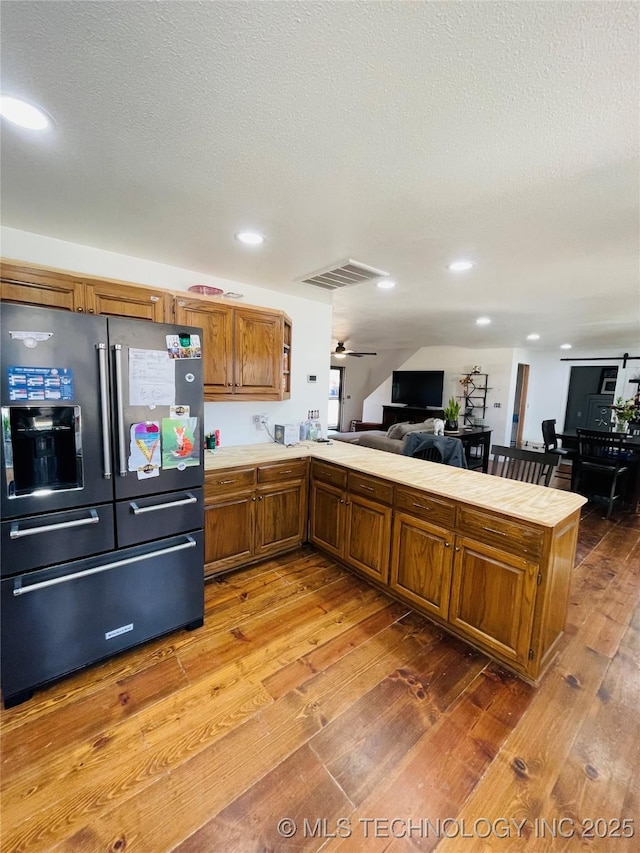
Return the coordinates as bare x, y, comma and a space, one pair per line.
216, 320
246, 350
257, 339
34, 286
44, 288
242, 348
124, 300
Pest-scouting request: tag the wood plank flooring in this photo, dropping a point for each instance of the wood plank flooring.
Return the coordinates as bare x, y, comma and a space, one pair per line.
312, 697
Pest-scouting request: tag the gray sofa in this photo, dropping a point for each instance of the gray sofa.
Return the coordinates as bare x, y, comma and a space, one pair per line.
393, 440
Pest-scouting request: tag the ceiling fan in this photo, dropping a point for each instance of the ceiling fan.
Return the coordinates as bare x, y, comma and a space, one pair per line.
340, 351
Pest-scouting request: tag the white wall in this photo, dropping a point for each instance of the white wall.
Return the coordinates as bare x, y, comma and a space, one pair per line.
311, 318
362, 376
549, 383
456, 361
547, 389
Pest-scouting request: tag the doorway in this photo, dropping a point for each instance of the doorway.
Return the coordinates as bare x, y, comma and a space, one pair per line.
336, 380
519, 405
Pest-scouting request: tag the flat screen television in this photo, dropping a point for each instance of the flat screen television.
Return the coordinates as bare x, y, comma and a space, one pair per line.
417, 387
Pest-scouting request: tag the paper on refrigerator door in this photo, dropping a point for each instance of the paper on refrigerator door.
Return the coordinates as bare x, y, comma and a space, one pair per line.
152, 378
144, 449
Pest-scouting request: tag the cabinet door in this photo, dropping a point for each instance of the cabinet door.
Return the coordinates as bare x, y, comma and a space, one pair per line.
281, 517
41, 288
217, 346
421, 563
124, 300
229, 528
327, 518
368, 537
258, 354
492, 598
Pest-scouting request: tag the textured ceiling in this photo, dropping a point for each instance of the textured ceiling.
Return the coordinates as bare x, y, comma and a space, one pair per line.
400, 134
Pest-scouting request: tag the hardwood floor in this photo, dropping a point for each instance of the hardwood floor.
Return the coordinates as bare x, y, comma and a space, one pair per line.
310, 696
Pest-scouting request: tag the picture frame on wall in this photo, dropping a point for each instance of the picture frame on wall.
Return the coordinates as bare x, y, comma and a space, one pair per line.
608, 380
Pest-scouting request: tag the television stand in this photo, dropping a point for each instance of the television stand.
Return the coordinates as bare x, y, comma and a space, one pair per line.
408, 414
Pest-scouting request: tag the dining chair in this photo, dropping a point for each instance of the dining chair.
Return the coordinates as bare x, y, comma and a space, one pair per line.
527, 466
430, 454
601, 467
551, 445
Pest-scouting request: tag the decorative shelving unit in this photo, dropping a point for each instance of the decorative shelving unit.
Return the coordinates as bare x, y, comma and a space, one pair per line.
474, 397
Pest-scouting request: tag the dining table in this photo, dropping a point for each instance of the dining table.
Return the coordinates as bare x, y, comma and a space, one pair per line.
630, 443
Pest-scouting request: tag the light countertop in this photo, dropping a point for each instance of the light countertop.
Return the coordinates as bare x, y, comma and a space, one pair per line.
536, 504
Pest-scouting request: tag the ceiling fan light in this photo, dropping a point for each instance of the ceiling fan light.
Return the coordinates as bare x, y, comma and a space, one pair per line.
339, 355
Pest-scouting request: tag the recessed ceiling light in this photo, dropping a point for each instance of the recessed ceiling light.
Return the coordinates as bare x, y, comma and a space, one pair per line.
483, 321
250, 238
533, 337
386, 284
460, 266
565, 346
22, 113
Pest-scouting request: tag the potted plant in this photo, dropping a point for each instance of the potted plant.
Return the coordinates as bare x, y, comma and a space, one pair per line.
451, 412
624, 411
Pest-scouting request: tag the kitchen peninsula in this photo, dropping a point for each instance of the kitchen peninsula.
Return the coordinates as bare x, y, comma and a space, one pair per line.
488, 558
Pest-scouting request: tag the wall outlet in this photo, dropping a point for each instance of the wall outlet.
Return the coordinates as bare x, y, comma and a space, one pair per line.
259, 421
497, 405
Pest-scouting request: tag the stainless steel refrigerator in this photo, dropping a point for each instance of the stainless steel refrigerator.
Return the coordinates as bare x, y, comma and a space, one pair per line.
101, 489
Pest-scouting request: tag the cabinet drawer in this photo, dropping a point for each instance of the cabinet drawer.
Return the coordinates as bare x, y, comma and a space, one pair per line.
424, 506
329, 474
516, 537
370, 487
219, 483
280, 471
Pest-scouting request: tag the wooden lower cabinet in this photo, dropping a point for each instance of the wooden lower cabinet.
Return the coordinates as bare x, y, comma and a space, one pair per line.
498, 582
367, 536
281, 517
229, 532
421, 563
354, 528
251, 513
492, 598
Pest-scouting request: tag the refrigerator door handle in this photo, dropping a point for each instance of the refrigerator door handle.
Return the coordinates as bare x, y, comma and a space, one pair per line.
122, 450
137, 510
16, 533
22, 590
104, 410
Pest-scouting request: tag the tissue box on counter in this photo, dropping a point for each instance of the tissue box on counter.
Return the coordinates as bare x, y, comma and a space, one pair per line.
287, 433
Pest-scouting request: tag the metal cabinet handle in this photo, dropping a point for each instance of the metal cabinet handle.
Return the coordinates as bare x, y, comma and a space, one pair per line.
104, 410
16, 533
362, 486
491, 530
120, 411
137, 510
21, 590
225, 482
419, 506
447, 544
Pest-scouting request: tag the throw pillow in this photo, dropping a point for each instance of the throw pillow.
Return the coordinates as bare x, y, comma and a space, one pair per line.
400, 430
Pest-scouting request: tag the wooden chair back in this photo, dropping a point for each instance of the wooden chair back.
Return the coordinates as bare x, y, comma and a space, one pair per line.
549, 436
527, 466
431, 454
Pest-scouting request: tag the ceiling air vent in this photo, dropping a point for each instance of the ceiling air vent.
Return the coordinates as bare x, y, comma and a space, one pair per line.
343, 275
